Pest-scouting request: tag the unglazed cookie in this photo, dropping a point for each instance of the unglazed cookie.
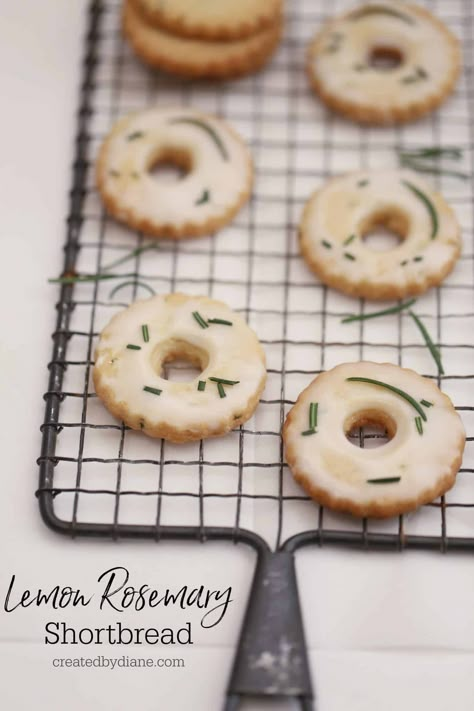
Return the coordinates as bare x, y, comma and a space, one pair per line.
418, 464
138, 341
337, 217
195, 58
384, 63
218, 179
213, 19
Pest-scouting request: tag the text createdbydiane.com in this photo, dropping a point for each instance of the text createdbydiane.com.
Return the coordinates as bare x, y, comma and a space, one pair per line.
116, 593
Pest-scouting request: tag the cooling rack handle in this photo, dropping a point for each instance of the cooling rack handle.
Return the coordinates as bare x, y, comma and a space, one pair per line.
271, 658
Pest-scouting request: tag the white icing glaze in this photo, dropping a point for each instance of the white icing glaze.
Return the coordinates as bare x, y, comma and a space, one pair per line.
233, 352
423, 43
329, 461
124, 165
347, 203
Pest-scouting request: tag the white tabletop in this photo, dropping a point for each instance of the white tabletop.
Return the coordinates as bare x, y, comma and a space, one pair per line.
385, 631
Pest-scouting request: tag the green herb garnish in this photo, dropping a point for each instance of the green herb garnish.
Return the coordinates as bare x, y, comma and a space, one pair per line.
431, 346
404, 263
362, 183
420, 73
428, 204
221, 390
153, 391
224, 382
385, 480
80, 278
326, 244
306, 433
201, 385
395, 390
426, 403
418, 259
133, 136
205, 127
350, 239
419, 425
205, 197
220, 321
350, 256
376, 314
145, 333
132, 347
313, 415
131, 283
380, 10
130, 255
114, 173
200, 319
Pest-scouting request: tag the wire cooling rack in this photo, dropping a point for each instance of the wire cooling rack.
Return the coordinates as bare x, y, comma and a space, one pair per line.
97, 477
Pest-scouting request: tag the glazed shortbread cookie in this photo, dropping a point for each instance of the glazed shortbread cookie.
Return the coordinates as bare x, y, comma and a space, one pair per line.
218, 179
138, 341
212, 19
384, 62
194, 57
418, 464
337, 217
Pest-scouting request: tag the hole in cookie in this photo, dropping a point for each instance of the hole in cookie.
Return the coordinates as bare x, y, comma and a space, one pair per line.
170, 166
385, 230
369, 429
384, 58
179, 361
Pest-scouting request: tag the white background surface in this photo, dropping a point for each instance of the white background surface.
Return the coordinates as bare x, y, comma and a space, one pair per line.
385, 632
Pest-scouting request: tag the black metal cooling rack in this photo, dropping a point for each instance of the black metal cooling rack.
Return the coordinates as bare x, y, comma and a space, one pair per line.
98, 478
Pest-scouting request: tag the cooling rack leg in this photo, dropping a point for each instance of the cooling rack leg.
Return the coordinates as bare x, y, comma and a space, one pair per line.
271, 658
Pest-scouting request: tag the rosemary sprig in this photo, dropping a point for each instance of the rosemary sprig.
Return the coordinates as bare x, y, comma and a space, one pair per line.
131, 283
350, 239
313, 415
79, 278
131, 255
311, 431
133, 347
395, 390
428, 204
426, 160
431, 346
432, 152
200, 319
153, 391
201, 385
419, 425
385, 480
376, 314
145, 333
426, 403
221, 390
432, 169
224, 382
208, 129
326, 244
349, 256
220, 321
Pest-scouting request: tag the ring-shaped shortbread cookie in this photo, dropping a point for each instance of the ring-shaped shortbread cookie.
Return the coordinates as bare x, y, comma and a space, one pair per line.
138, 341
418, 464
384, 63
218, 169
337, 217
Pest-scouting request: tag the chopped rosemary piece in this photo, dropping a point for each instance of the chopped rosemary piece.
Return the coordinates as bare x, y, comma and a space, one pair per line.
402, 393
205, 197
418, 259
309, 432
375, 314
205, 127
131, 283
133, 347
434, 152
221, 390
220, 321
362, 183
431, 346
200, 319
224, 382
313, 415
385, 480
326, 244
419, 425
350, 256
145, 333
114, 173
350, 239
380, 10
202, 385
133, 136
130, 255
429, 206
432, 169
153, 391
78, 278
135, 175
426, 403
420, 73
404, 263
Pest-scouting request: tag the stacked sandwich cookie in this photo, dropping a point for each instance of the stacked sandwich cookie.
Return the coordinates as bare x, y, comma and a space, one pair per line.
214, 39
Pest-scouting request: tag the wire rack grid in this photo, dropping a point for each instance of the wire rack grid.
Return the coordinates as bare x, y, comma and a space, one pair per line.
94, 470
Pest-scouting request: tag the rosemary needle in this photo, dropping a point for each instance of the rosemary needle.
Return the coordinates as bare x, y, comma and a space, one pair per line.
376, 314
398, 391
432, 348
